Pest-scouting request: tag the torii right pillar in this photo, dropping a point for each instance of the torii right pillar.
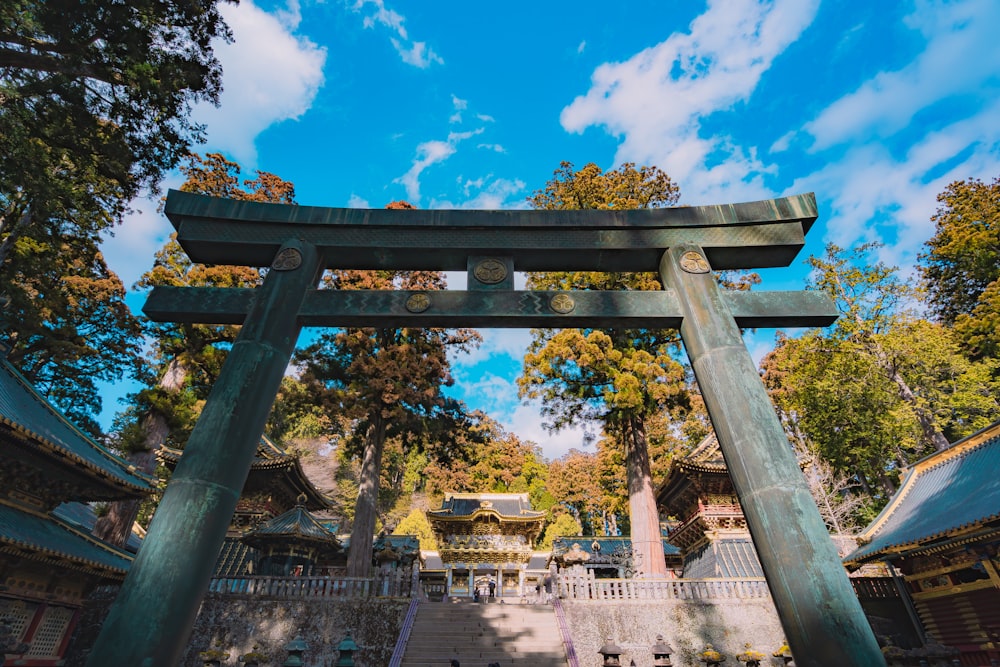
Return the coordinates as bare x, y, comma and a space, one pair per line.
819, 611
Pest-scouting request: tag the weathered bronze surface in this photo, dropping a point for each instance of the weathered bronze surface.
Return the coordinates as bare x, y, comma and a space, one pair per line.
820, 613
152, 617
734, 236
501, 309
151, 620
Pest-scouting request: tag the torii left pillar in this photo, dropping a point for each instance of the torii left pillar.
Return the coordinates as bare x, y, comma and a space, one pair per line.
174, 565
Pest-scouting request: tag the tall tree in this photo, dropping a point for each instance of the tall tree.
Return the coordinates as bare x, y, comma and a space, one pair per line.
961, 265
872, 301
882, 387
386, 381
65, 321
96, 98
618, 378
186, 358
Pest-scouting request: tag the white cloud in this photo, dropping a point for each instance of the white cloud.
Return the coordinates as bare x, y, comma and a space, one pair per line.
492, 147
356, 201
129, 253
655, 100
511, 343
581, 47
876, 196
261, 86
888, 168
412, 52
526, 422
961, 55
428, 153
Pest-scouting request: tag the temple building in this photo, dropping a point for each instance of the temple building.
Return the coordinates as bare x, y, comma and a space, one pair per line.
292, 544
941, 530
606, 557
275, 486
712, 534
49, 561
486, 538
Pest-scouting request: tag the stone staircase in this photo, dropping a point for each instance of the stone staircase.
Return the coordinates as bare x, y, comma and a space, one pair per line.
478, 634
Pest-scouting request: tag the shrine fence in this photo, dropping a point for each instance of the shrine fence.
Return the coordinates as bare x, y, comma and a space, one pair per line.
588, 587
396, 583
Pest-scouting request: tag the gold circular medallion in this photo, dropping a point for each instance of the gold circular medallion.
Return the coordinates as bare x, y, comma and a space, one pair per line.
562, 303
288, 259
490, 271
418, 303
693, 262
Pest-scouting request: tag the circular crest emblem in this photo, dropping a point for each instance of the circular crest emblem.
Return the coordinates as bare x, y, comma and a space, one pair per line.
418, 303
288, 259
490, 271
693, 262
562, 303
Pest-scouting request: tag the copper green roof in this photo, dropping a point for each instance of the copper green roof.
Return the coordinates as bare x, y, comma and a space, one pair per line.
508, 506
37, 423
949, 494
295, 524
47, 538
599, 548
269, 462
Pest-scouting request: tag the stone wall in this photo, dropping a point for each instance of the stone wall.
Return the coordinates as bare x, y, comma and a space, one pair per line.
687, 625
237, 623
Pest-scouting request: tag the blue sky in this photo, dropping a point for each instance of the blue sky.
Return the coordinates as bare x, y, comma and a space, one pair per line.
875, 107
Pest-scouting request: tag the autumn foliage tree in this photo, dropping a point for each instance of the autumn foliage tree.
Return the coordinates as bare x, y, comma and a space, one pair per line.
186, 358
386, 381
617, 378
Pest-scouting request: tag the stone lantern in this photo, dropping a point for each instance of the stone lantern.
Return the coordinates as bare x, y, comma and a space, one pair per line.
347, 647
295, 649
661, 652
612, 654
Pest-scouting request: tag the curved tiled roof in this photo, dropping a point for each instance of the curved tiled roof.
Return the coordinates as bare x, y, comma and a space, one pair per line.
295, 524
947, 494
507, 506
269, 459
25, 412
42, 537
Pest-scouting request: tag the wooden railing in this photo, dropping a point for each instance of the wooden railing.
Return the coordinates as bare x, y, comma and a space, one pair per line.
588, 587
397, 583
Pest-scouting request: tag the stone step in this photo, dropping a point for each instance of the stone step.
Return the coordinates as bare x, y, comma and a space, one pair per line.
478, 634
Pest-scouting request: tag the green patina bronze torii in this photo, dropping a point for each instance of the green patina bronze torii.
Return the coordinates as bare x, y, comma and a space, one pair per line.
152, 618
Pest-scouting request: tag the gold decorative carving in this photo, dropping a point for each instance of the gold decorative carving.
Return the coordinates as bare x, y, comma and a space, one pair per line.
418, 303
288, 259
562, 303
490, 271
694, 262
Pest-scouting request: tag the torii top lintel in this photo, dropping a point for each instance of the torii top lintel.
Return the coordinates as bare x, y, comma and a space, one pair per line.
734, 236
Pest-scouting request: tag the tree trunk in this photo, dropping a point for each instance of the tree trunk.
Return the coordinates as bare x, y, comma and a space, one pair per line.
647, 543
931, 432
359, 560
116, 526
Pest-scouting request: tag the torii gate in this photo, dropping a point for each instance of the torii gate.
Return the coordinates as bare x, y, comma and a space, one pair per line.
151, 620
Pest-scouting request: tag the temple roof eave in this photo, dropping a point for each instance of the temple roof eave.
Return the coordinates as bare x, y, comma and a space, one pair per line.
34, 422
